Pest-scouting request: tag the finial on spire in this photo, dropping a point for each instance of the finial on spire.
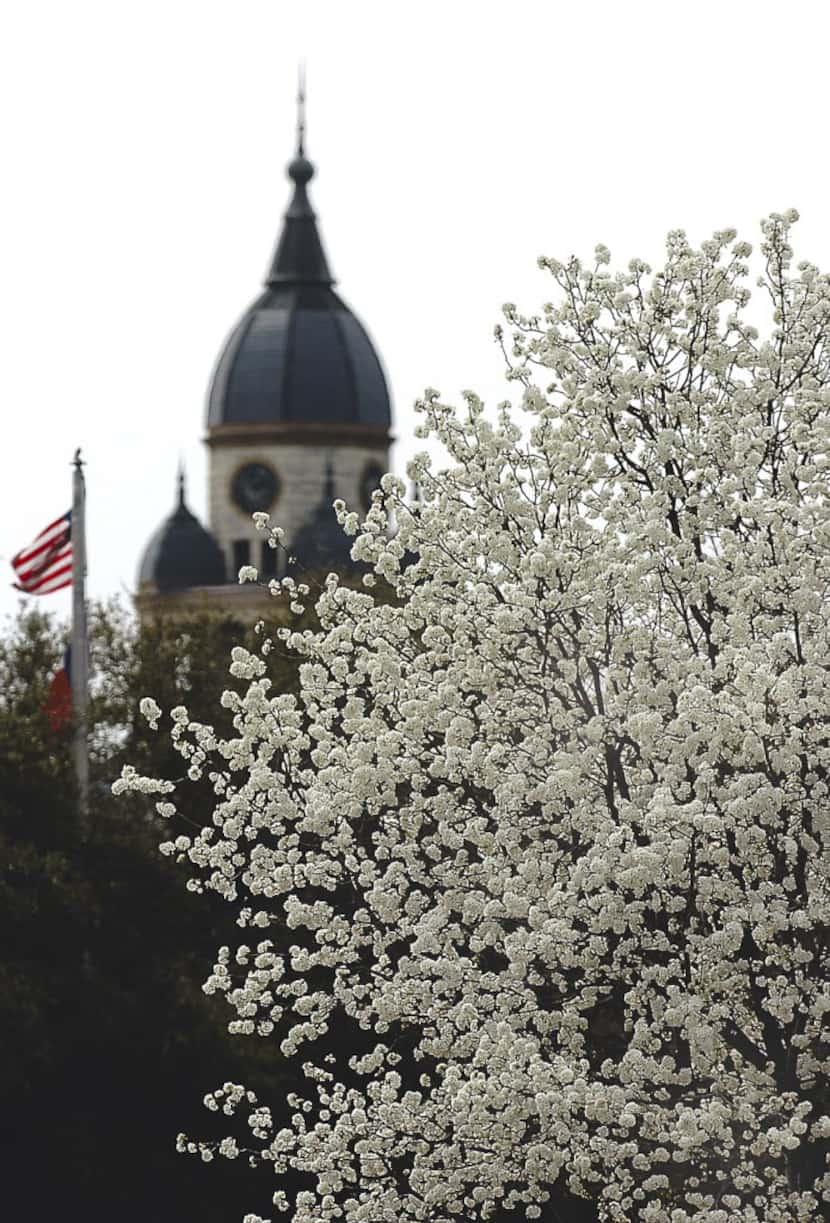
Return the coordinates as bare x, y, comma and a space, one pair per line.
301, 110
300, 168
180, 480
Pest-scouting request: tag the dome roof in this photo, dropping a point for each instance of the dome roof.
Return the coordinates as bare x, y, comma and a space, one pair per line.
321, 543
182, 553
298, 354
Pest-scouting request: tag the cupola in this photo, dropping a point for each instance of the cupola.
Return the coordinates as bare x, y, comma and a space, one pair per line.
298, 358
181, 554
321, 543
297, 404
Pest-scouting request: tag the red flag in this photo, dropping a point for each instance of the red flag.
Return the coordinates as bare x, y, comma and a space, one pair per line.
58, 703
46, 564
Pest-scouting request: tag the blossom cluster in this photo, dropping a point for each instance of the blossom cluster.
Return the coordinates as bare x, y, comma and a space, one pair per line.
538, 855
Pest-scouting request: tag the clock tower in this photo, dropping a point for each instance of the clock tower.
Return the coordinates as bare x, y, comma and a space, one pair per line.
298, 414
298, 403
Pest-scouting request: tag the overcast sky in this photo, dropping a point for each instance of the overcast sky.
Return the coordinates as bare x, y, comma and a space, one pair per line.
144, 149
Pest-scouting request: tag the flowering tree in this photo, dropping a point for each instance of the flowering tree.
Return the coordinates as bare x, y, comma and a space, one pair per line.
535, 867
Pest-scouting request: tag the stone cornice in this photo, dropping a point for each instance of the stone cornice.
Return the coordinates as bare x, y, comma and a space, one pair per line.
247, 603
299, 433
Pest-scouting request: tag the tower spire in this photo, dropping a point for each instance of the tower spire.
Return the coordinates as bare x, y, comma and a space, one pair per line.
301, 110
299, 257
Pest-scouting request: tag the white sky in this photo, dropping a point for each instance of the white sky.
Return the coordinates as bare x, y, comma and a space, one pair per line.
143, 151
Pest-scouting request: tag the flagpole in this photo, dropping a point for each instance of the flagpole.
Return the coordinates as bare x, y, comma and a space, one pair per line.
80, 648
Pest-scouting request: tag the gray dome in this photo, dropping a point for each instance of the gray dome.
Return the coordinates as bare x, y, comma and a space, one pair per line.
182, 553
298, 354
321, 542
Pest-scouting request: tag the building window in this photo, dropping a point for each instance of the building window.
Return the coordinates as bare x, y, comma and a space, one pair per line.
268, 567
241, 554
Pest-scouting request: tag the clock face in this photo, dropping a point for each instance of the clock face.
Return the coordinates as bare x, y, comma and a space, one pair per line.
255, 487
369, 481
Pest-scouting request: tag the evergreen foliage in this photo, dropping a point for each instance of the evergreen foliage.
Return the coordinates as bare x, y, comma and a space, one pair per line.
107, 1043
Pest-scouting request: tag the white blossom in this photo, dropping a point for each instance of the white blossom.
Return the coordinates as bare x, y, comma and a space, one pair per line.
150, 710
550, 829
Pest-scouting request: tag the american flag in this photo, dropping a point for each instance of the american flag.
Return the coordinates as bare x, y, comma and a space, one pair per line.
46, 564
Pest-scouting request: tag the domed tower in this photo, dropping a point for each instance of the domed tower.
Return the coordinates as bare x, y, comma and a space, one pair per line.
298, 407
180, 557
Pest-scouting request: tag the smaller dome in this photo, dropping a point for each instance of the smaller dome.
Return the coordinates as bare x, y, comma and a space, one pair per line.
182, 553
321, 543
